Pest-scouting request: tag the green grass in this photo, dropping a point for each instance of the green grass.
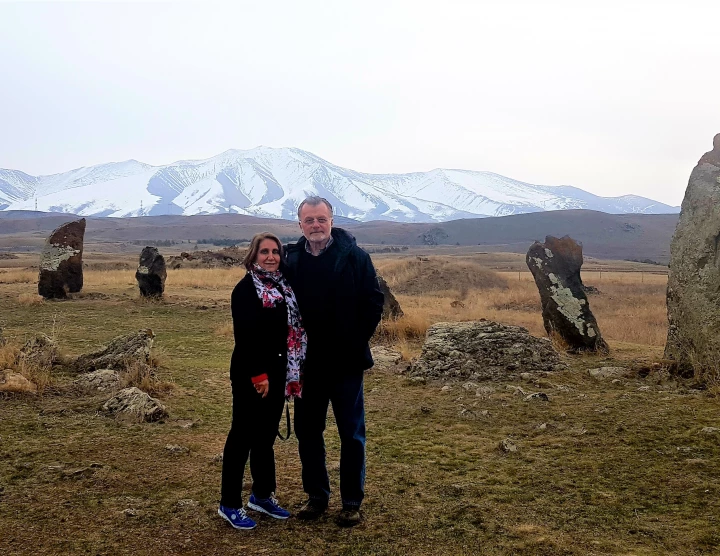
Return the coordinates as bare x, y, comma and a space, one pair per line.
615, 471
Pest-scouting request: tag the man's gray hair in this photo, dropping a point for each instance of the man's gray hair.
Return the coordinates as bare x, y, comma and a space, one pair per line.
313, 201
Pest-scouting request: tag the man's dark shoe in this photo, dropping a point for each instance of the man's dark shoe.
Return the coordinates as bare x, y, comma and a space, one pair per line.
312, 509
349, 517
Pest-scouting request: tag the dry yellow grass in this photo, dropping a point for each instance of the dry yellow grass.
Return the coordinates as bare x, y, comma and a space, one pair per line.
197, 278
18, 276
225, 329
631, 308
30, 299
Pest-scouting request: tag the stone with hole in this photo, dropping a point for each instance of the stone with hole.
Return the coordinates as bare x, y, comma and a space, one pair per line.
555, 266
61, 267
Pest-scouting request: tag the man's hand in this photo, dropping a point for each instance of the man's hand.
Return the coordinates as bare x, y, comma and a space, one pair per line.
262, 387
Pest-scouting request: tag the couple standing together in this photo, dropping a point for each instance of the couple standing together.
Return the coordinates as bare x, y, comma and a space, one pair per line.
302, 320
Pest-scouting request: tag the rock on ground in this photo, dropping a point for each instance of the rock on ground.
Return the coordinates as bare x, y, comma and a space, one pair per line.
133, 402
607, 372
151, 273
391, 307
120, 353
483, 350
11, 381
555, 266
101, 380
230, 256
39, 352
385, 357
61, 270
693, 293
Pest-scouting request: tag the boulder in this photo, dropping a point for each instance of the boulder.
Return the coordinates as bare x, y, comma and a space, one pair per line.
555, 266
483, 350
119, 354
101, 380
391, 307
11, 381
133, 402
385, 357
151, 273
693, 292
61, 270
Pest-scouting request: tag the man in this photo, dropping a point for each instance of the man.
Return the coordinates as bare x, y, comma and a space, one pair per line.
341, 304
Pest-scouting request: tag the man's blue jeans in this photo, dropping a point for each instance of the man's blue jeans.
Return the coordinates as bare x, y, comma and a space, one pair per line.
346, 395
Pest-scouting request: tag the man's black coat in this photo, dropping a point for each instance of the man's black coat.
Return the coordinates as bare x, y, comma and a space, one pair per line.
352, 301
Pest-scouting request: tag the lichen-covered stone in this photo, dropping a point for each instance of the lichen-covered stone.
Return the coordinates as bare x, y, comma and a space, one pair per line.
693, 293
119, 354
134, 403
61, 269
151, 273
101, 380
555, 266
483, 350
391, 307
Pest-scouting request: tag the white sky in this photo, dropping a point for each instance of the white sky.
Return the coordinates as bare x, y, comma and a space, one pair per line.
613, 97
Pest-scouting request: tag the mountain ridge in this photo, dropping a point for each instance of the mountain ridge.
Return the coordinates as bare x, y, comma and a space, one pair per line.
271, 182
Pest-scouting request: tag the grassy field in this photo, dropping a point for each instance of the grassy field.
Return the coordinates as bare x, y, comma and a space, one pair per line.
602, 468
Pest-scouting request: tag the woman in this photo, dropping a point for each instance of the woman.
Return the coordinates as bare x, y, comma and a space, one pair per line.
266, 368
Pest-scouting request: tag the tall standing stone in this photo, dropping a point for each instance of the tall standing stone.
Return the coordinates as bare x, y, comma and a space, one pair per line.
391, 307
151, 273
555, 265
61, 270
693, 293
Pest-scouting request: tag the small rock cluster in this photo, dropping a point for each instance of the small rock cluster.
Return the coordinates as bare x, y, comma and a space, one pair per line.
483, 350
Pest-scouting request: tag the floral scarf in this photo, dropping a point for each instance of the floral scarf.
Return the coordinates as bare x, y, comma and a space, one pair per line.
272, 289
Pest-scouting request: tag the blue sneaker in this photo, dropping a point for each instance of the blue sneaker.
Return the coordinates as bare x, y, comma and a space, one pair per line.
237, 518
268, 506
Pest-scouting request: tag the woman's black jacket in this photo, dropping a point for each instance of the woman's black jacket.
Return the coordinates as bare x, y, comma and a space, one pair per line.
260, 336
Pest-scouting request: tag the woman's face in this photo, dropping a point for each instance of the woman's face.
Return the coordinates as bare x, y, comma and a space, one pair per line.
268, 256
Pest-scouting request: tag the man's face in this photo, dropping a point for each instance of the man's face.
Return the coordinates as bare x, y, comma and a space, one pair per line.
316, 222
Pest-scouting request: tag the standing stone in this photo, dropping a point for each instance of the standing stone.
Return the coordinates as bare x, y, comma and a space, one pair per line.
555, 265
61, 269
391, 307
693, 293
151, 273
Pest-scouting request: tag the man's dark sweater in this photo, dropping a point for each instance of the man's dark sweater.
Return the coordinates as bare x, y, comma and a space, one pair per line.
340, 303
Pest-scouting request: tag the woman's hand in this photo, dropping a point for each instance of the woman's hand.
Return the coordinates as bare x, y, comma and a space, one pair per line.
262, 387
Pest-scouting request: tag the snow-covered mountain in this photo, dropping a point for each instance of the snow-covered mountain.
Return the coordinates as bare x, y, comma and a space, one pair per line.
271, 182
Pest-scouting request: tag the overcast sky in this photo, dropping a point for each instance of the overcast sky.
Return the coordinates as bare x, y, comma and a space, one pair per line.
612, 97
